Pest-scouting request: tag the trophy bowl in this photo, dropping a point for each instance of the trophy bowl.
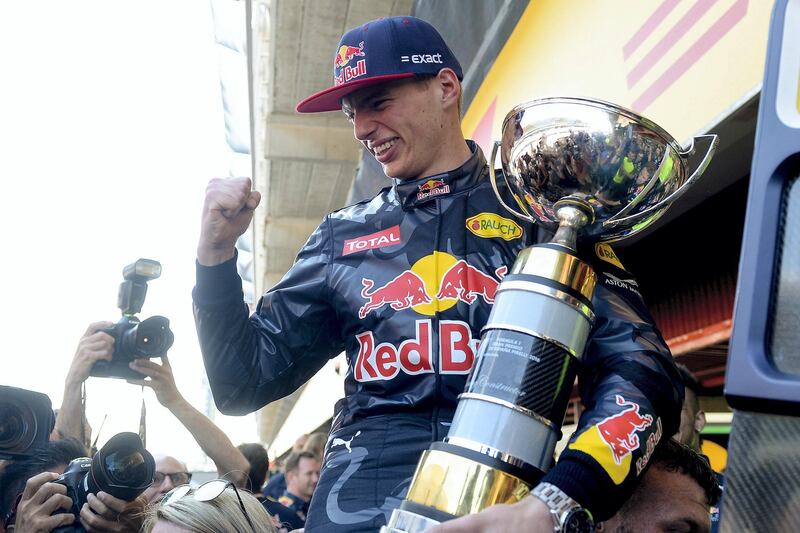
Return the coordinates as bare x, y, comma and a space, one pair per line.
623, 169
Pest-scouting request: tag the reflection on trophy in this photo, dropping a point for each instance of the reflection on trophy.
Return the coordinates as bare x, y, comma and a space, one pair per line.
593, 172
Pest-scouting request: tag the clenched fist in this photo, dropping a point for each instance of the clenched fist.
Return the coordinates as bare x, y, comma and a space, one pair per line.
227, 213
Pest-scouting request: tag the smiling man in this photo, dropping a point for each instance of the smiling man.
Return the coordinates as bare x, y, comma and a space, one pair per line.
404, 282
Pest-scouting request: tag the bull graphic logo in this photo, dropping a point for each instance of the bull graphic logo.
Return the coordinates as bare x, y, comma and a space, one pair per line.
404, 291
346, 53
465, 283
619, 431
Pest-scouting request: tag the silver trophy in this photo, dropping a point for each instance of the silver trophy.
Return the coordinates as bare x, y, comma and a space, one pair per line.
593, 172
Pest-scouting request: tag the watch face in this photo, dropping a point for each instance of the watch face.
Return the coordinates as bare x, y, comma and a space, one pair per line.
578, 521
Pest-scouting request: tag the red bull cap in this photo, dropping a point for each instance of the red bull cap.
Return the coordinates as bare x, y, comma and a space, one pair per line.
382, 50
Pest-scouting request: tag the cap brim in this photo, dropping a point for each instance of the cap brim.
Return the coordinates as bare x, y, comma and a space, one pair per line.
330, 98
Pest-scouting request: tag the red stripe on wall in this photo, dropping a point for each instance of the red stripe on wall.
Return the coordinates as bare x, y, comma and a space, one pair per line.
681, 28
647, 28
706, 41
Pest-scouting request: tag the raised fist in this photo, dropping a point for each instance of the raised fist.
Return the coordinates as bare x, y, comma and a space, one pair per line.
227, 213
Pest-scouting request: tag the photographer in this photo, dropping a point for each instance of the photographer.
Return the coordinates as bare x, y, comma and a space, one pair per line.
29, 497
230, 462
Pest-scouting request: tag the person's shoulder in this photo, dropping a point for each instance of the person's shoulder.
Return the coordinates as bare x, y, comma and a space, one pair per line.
360, 210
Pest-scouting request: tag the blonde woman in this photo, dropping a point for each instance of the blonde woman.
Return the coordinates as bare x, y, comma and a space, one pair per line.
214, 507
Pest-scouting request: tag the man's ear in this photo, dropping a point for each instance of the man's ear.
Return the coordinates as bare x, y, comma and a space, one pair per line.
450, 87
699, 421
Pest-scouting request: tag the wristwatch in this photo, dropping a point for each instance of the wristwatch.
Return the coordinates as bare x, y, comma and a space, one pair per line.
568, 515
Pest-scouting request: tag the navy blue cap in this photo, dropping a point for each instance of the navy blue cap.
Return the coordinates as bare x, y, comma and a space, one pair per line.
382, 50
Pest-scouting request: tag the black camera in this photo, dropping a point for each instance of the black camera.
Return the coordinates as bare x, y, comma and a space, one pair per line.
26, 420
122, 468
134, 338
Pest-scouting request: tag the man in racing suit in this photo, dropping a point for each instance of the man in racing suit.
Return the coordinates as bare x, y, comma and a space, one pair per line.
403, 284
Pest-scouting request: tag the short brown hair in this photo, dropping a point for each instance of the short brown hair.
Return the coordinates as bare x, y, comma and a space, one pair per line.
672, 456
293, 461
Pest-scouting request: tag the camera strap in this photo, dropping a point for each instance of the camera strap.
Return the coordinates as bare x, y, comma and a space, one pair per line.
143, 422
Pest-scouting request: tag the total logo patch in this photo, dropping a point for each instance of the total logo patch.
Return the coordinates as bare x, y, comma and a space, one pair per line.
490, 225
380, 239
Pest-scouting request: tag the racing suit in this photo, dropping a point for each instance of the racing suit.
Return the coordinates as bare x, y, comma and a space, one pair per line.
403, 283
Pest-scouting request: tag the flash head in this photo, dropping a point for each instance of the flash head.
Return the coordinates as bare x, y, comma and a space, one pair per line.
142, 270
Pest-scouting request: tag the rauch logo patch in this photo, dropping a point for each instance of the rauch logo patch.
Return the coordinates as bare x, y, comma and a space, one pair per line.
488, 225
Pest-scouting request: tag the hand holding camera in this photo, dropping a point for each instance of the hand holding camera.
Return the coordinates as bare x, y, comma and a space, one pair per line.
161, 380
101, 488
95, 345
41, 503
134, 338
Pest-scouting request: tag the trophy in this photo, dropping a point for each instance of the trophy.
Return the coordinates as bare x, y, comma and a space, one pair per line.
591, 171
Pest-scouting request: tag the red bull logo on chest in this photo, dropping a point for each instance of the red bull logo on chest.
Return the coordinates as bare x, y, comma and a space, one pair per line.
434, 283
432, 187
384, 361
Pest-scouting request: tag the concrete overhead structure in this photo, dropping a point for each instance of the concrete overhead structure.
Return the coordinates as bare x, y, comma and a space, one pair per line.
304, 164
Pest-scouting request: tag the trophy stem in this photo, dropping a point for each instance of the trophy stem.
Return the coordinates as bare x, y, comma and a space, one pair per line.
508, 419
573, 214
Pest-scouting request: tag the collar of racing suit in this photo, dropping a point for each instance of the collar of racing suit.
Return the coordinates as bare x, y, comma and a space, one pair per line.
412, 193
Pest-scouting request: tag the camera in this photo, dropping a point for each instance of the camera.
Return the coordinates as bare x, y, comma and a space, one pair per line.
134, 338
122, 468
26, 420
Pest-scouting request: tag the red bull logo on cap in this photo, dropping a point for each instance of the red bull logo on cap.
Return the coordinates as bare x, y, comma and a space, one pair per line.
344, 71
613, 440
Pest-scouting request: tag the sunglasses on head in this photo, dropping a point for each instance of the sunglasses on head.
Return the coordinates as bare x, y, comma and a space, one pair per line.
205, 493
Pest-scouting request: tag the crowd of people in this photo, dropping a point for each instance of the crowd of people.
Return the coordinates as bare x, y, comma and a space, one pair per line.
399, 84
31, 499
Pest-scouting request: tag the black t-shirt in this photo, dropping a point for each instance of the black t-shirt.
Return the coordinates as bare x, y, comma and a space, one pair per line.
286, 518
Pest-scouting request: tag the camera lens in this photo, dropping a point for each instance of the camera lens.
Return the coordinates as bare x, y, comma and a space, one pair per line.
126, 467
122, 468
153, 336
14, 424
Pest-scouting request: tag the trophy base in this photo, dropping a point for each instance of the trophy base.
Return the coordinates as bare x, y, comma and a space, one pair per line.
452, 481
406, 521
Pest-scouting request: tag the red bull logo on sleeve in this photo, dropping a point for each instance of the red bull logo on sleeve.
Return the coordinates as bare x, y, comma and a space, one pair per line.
613, 440
619, 431
344, 71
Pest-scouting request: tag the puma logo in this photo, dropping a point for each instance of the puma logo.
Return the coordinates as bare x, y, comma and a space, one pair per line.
339, 442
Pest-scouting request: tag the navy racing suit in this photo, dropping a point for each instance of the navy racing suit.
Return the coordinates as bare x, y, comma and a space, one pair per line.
403, 283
